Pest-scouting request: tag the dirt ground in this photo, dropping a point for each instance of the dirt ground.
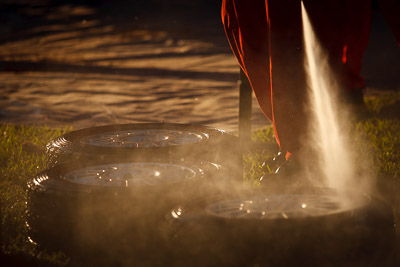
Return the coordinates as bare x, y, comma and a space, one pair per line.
88, 63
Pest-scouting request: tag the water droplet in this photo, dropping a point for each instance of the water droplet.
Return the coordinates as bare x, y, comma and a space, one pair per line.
31, 241
304, 205
176, 213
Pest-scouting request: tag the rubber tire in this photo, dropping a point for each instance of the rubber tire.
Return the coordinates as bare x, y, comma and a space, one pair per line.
220, 147
105, 226
359, 237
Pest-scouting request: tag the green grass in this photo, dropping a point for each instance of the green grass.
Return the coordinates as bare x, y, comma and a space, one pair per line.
383, 136
254, 159
21, 157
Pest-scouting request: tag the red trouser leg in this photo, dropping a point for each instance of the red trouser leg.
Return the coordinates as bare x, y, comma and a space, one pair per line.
271, 47
289, 90
357, 32
343, 27
246, 29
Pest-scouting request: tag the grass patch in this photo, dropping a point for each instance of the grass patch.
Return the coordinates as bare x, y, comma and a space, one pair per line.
383, 136
21, 158
258, 154
378, 104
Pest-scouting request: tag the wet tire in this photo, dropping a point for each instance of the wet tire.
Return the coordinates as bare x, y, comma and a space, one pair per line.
146, 141
109, 213
302, 229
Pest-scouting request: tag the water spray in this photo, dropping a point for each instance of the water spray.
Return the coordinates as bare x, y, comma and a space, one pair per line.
335, 160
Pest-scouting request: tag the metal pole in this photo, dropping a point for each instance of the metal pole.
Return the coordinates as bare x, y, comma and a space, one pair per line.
245, 107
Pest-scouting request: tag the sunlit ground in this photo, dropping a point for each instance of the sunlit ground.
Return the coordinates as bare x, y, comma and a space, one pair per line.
109, 63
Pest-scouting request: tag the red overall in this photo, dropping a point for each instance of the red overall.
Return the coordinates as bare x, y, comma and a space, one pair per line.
266, 37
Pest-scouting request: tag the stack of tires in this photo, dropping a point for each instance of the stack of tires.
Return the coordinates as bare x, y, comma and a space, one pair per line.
172, 194
106, 192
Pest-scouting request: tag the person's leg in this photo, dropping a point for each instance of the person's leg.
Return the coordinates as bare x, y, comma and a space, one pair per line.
245, 26
289, 86
268, 47
357, 32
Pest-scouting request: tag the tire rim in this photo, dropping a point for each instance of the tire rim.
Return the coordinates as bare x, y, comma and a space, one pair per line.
286, 206
144, 138
132, 174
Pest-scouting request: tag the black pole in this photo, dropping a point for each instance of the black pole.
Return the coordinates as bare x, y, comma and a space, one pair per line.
245, 107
